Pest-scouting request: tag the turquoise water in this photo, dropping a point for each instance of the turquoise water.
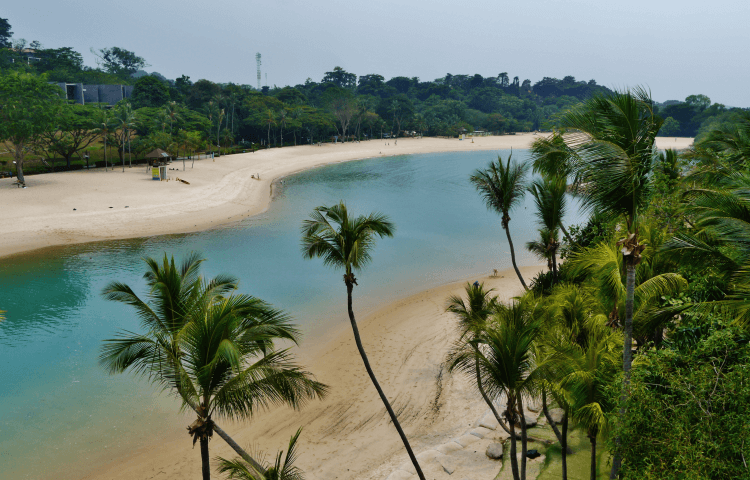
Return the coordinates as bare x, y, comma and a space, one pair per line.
59, 408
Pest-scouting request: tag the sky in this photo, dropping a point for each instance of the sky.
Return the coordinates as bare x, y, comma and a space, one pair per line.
674, 47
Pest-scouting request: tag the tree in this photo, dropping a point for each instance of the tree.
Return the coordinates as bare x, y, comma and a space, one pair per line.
74, 131
119, 61
549, 198
588, 372
670, 128
5, 33
507, 366
614, 140
149, 91
282, 469
701, 102
341, 78
28, 105
346, 243
502, 187
125, 121
214, 349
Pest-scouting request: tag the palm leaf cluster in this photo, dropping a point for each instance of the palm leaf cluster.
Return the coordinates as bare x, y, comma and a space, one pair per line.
213, 348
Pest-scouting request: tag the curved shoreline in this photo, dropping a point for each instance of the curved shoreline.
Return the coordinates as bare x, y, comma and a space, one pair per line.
95, 205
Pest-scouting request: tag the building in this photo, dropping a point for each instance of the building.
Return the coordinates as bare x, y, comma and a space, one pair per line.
83, 94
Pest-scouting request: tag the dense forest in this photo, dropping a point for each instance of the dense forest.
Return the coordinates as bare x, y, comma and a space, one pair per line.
182, 115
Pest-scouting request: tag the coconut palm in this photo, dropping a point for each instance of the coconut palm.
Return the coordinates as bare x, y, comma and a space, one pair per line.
104, 124
718, 237
502, 188
282, 469
213, 349
172, 111
551, 202
612, 138
588, 373
545, 248
345, 242
125, 121
505, 353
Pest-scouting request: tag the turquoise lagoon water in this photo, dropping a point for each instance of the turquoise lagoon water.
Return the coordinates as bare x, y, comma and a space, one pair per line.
60, 410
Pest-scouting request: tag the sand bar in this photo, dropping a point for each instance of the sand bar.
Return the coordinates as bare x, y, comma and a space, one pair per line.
86, 206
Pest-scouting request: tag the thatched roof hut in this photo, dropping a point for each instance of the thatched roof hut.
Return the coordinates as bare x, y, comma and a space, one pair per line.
158, 156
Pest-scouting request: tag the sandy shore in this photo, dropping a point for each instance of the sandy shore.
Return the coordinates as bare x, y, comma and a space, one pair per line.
86, 206
348, 435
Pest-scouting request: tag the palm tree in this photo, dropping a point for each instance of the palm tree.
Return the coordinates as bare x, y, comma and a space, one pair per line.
545, 248
505, 352
104, 125
502, 188
125, 120
173, 112
270, 119
588, 375
215, 351
345, 242
282, 121
613, 139
282, 469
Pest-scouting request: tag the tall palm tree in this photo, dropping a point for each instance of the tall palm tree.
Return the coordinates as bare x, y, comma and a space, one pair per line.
283, 118
125, 120
173, 110
346, 242
588, 373
502, 188
545, 248
214, 349
613, 140
505, 351
104, 126
282, 469
550, 198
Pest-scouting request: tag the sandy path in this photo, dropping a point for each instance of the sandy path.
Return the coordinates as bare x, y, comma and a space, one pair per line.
348, 435
112, 205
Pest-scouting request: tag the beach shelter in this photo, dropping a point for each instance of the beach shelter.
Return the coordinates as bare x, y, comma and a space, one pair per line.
158, 156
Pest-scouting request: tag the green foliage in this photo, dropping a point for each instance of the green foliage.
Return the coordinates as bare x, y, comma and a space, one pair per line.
149, 91
688, 412
670, 127
119, 61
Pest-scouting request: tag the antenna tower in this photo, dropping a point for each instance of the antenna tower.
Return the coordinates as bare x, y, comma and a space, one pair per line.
257, 60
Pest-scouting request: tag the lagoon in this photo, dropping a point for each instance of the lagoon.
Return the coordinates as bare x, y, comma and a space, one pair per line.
61, 411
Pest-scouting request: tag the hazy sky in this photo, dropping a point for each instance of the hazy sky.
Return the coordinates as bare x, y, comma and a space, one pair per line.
675, 47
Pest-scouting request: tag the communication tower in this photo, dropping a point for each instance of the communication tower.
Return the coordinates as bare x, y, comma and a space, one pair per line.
257, 60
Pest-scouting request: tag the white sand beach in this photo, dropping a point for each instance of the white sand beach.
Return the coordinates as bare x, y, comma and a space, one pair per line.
86, 206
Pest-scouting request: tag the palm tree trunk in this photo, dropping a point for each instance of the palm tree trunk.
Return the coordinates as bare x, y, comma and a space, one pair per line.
513, 457
524, 440
488, 401
242, 453
206, 466
565, 447
627, 358
513, 259
592, 438
555, 278
391, 413
551, 423
18, 155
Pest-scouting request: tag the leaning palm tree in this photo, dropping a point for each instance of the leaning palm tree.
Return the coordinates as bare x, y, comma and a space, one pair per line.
213, 349
502, 188
505, 353
612, 138
345, 242
282, 469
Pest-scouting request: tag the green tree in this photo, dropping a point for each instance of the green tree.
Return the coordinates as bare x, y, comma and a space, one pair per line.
119, 61
341, 78
28, 107
505, 351
149, 91
502, 188
74, 131
613, 138
282, 469
588, 373
214, 349
5, 33
670, 128
346, 243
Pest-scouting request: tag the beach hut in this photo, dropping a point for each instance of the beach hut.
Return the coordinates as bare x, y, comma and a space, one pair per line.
158, 157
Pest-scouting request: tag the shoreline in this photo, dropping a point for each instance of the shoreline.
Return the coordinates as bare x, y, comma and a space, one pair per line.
348, 435
90, 206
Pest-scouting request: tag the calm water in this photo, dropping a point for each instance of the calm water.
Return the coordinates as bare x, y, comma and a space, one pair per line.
59, 408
